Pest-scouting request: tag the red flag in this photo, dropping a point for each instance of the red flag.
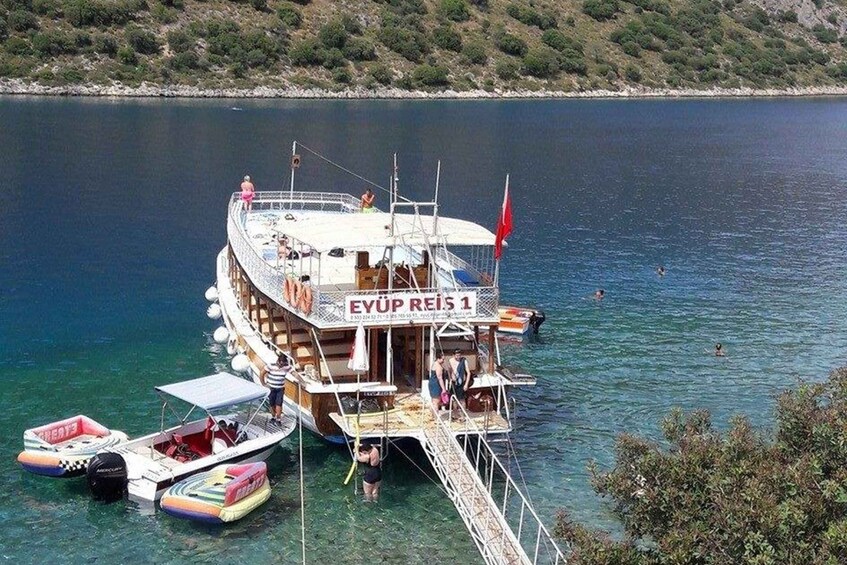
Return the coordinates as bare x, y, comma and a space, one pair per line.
504, 222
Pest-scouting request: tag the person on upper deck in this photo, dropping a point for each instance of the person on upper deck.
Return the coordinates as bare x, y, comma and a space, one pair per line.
248, 191
459, 376
436, 380
368, 198
369, 455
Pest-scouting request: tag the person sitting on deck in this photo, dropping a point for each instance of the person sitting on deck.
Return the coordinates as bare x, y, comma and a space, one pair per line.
459, 376
248, 191
274, 378
368, 198
369, 455
283, 249
436, 380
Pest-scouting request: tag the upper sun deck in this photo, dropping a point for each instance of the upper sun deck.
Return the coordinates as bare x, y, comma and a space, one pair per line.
375, 268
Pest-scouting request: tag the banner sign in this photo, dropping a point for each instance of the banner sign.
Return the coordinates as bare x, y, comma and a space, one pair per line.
402, 306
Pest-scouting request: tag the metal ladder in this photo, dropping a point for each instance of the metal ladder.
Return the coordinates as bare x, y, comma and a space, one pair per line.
472, 493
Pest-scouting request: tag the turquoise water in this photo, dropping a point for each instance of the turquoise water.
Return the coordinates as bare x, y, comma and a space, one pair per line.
111, 214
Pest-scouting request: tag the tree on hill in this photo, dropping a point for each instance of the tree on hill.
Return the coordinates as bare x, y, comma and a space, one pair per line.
741, 496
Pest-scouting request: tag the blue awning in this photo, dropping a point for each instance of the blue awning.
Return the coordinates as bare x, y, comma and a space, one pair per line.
215, 391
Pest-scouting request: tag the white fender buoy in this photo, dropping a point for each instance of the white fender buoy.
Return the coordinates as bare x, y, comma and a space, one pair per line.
211, 294
221, 335
214, 311
240, 363
231, 347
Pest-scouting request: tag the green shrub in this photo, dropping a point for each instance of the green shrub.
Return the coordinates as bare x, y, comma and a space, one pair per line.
49, 8
342, 76
17, 46
541, 62
430, 75
572, 61
456, 10
259, 5
506, 69
474, 52
14, 66
81, 13
305, 53
601, 10
142, 40
511, 44
447, 38
825, 34
632, 73
410, 44
631, 48
832, 18
660, 6
380, 73
289, 15
4, 29
187, 60
559, 41
106, 45
789, 16
531, 17
333, 58
22, 20
333, 35
359, 49
180, 41
53, 43
163, 14
127, 56
351, 24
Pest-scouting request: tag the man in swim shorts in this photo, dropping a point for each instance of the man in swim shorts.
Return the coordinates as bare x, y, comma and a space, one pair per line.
368, 198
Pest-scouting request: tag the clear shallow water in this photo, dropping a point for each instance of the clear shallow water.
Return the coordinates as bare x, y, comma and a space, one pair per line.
111, 214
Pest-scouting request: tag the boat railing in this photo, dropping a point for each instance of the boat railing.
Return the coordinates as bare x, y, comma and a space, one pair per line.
514, 506
287, 200
328, 306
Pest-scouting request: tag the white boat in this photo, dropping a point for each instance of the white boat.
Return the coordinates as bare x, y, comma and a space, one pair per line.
302, 270
236, 428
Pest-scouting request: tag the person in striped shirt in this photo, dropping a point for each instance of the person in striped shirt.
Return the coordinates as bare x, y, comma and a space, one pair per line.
274, 378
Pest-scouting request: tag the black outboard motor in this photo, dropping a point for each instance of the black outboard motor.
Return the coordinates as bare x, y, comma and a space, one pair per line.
536, 320
107, 476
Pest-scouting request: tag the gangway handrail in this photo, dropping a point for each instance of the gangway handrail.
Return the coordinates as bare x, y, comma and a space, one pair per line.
525, 503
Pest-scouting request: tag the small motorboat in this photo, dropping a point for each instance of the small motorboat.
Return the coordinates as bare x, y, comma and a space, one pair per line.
224, 494
237, 427
64, 448
517, 320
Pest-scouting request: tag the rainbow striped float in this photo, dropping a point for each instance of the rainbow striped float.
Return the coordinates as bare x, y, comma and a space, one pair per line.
63, 449
224, 494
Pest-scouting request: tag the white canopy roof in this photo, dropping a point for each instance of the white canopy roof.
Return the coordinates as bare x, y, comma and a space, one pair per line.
215, 391
323, 232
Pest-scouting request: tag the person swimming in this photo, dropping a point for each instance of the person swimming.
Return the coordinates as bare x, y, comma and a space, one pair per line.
660, 271
599, 294
719, 350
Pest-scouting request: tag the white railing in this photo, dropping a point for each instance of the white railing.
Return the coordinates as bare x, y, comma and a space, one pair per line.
327, 306
508, 531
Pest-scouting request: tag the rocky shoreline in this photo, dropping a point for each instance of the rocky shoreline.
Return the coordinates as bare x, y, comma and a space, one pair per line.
19, 87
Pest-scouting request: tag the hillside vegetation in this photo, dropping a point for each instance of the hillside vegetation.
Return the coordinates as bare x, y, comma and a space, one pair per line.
493, 45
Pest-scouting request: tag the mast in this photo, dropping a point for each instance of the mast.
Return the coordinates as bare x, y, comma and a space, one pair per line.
389, 353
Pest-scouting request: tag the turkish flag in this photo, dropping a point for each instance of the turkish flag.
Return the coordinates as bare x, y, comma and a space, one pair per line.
504, 223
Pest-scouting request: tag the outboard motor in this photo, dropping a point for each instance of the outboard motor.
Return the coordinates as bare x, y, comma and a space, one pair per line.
107, 476
536, 320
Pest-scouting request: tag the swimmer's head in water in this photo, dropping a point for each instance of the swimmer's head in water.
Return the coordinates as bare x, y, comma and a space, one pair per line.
718, 346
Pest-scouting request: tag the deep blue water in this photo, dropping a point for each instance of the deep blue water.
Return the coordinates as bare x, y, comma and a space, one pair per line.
111, 214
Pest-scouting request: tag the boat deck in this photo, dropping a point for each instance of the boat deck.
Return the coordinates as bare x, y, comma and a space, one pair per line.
411, 417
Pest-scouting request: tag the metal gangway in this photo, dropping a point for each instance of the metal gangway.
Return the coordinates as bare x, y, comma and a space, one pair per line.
505, 532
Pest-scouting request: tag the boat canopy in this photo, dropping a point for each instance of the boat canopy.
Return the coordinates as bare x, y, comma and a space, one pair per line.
215, 391
323, 232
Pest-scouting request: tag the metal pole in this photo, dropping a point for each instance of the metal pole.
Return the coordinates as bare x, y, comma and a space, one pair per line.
291, 189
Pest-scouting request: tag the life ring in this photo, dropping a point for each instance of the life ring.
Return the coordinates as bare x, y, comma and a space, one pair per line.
305, 303
286, 290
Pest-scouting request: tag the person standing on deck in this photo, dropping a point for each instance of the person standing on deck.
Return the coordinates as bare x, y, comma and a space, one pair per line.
369, 455
436, 380
274, 378
247, 193
459, 376
367, 205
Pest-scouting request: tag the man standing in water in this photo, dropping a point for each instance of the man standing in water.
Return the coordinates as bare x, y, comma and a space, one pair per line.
368, 198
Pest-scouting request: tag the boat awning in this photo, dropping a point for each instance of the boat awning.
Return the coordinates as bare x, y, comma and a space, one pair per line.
215, 391
323, 232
